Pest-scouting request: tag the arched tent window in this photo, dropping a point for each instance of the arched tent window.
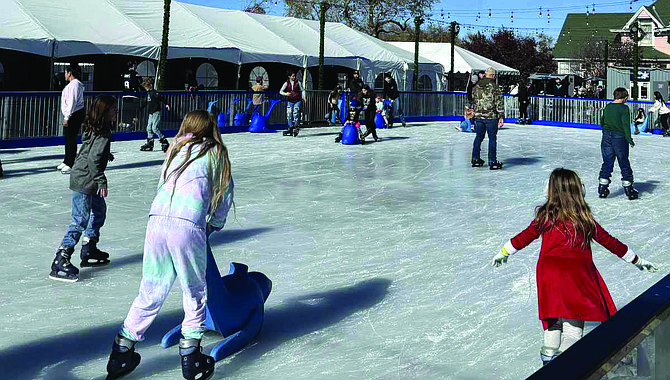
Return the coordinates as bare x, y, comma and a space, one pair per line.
259, 72
146, 69
308, 83
379, 82
207, 76
425, 84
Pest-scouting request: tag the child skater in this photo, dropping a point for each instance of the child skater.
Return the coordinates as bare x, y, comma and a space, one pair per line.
569, 288
155, 104
89, 189
195, 193
381, 108
352, 119
639, 120
615, 143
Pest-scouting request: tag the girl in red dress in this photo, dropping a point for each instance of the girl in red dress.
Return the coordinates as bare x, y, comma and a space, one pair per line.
569, 288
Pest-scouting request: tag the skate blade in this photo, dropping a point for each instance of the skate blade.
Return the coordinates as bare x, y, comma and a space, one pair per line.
64, 279
99, 263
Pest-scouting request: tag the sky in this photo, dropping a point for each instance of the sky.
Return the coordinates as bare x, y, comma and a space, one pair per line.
524, 15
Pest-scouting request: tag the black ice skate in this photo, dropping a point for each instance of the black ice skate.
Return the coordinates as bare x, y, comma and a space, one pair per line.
495, 165
630, 191
61, 268
476, 163
194, 364
148, 147
603, 188
338, 138
288, 132
295, 132
91, 256
123, 359
164, 144
2, 174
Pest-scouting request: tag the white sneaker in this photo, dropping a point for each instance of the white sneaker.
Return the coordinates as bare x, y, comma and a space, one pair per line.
66, 169
61, 166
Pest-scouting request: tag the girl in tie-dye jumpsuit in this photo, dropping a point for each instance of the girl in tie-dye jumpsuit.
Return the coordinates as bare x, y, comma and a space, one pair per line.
195, 193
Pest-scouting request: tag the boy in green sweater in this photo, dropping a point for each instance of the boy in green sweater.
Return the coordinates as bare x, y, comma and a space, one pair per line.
615, 122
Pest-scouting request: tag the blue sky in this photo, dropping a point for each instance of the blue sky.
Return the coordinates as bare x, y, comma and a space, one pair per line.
474, 15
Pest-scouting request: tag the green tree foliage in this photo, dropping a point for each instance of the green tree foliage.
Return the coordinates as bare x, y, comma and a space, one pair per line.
592, 56
527, 54
378, 18
257, 6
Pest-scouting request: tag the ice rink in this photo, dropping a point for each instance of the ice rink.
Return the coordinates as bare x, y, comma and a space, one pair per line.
380, 255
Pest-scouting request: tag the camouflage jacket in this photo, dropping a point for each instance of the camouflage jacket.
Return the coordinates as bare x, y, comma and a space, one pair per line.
488, 100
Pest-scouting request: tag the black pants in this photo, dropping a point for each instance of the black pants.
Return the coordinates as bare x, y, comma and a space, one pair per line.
523, 110
664, 122
370, 126
71, 131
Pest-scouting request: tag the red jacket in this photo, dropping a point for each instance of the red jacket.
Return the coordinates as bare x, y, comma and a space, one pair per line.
568, 283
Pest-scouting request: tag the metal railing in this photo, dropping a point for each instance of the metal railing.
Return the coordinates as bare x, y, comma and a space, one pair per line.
37, 114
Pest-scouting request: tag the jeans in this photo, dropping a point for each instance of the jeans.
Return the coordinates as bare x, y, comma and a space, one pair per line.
483, 126
615, 147
153, 125
88, 216
397, 109
333, 114
293, 113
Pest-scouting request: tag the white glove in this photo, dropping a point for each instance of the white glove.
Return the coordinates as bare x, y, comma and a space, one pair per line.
644, 265
500, 258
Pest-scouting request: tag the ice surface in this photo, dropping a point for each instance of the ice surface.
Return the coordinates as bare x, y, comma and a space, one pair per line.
379, 254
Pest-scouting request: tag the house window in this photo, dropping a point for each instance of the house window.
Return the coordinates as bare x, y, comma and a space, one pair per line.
648, 39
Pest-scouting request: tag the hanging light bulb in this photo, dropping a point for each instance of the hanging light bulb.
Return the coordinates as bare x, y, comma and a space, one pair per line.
276, 2
512, 17
448, 15
631, 5
540, 11
442, 14
489, 12
587, 11
594, 8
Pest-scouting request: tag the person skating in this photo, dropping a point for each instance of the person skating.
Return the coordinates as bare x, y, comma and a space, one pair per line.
195, 193
89, 189
72, 107
391, 92
155, 104
296, 95
367, 98
489, 111
616, 139
569, 288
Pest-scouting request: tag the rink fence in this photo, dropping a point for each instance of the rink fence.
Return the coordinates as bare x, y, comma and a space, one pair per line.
632, 344
34, 118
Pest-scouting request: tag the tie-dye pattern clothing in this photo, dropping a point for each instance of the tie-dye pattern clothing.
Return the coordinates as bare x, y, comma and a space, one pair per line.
176, 246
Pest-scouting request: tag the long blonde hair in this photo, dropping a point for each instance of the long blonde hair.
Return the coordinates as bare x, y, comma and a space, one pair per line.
200, 128
566, 204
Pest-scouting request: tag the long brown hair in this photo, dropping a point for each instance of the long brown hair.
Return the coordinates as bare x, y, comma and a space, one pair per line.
200, 128
96, 118
566, 205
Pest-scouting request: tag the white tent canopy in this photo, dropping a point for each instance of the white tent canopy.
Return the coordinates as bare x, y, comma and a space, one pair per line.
134, 28
464, 60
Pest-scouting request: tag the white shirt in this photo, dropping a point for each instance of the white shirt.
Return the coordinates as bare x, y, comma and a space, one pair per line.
660, 107
72, 98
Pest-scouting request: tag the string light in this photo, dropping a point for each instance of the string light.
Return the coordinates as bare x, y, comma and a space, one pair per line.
587, 11
442, 14
512, 17
594, 8
631, 5
540, 12
489, 12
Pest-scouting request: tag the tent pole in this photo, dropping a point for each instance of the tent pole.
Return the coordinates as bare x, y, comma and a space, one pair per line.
51, 65
239, 69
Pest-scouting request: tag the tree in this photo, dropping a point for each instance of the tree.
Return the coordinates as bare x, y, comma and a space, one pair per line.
162, 59
255, 6
375, 17
527, 54
592, 56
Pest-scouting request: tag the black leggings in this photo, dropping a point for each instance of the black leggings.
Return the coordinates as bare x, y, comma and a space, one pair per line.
664, 121
370, 126
71, 131
523, 110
